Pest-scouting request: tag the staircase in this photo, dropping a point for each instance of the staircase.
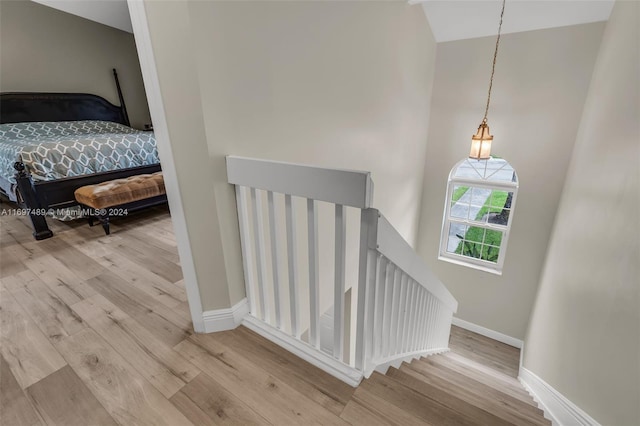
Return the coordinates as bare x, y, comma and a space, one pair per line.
327, 277
330, 280
455, 388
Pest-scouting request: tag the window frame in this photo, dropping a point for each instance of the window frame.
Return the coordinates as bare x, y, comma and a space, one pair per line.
459, 259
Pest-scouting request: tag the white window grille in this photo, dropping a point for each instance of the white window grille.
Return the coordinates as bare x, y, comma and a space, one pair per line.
481, 196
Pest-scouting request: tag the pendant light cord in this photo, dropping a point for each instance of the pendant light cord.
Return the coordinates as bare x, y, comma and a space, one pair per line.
493, 68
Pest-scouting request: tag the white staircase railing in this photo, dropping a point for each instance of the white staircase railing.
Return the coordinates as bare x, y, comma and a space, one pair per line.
387, 307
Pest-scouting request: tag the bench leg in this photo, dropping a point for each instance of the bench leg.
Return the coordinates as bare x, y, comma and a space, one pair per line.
103, 219
105, 224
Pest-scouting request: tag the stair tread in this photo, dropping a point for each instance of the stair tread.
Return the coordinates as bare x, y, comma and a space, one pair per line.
424, 408
486, 351
503, 405
455, 401
453, 370
482, 368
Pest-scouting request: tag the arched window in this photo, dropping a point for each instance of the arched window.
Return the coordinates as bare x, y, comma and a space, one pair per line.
481, 196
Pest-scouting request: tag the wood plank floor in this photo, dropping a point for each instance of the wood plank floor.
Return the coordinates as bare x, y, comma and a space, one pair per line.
95, 330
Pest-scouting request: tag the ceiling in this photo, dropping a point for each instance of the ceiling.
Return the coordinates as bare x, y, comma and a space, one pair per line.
114, 13
462, 19
449, 19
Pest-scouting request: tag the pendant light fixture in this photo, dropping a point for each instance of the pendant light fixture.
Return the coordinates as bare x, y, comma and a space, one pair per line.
481, 141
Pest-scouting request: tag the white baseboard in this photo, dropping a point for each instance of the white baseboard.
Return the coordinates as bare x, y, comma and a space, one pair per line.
556, 406
492, 334
301, 349
225, 319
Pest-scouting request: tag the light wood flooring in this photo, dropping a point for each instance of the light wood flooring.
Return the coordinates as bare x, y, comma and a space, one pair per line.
95, 330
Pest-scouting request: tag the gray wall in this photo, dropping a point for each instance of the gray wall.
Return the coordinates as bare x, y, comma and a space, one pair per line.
337, 84
584, 334
540, 86
182, 144
46, 50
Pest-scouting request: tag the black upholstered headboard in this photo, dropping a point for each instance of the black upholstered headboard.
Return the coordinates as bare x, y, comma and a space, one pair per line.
30, 106
20, 107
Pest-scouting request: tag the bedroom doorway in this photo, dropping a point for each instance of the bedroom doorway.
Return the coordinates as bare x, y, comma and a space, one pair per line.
141, 258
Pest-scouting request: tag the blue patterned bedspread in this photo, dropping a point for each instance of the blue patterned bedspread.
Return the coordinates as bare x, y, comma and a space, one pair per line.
53, 150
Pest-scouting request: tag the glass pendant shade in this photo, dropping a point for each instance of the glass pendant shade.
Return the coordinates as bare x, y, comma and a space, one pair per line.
481, 143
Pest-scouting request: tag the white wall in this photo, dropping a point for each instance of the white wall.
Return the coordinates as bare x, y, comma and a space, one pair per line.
336, 84
539, 91
46, 50
584, 334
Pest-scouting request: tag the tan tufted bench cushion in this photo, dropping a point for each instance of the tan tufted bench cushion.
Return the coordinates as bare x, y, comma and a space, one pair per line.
121, 191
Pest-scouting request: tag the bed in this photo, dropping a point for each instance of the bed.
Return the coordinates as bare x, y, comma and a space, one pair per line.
53, 143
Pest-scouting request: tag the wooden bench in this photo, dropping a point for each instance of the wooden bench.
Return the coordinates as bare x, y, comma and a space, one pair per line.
121, 195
